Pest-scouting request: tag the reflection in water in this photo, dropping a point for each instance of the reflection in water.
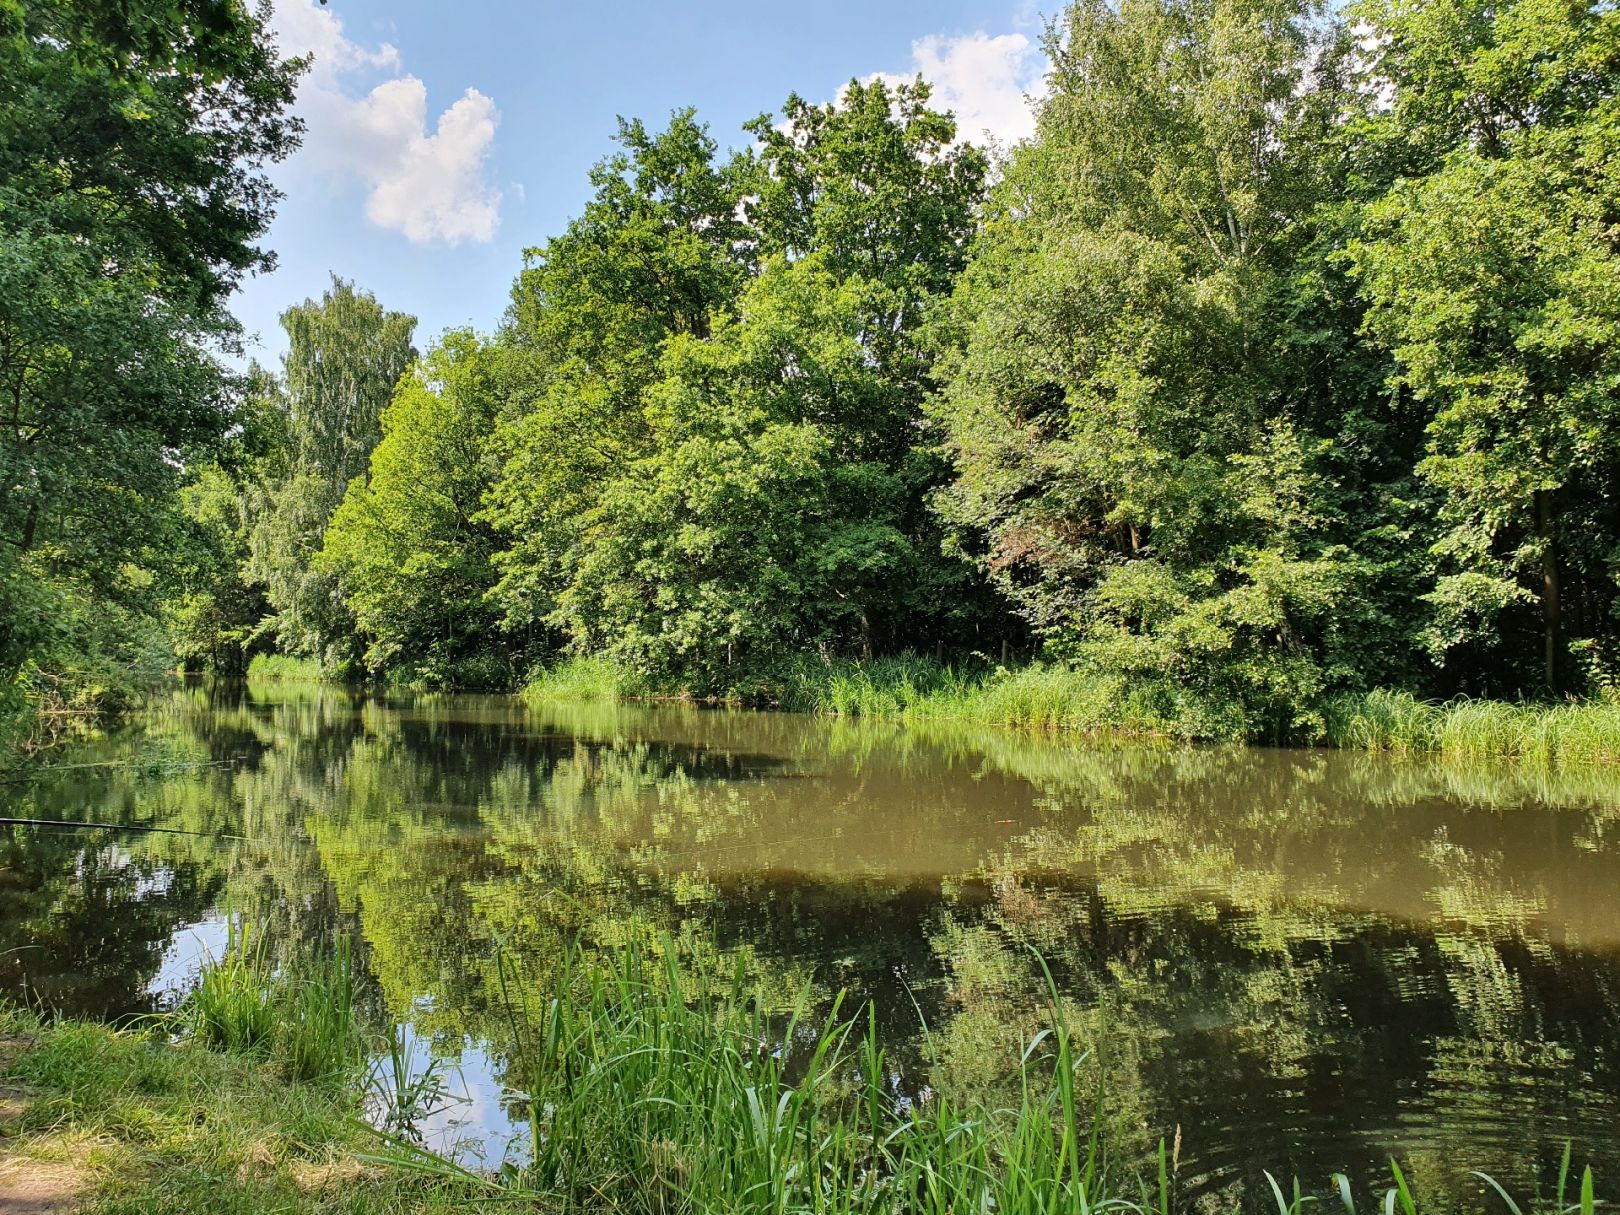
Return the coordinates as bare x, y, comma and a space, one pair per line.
1306, 961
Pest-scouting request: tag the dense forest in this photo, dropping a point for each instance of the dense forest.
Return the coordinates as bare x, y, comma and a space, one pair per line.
1282, 363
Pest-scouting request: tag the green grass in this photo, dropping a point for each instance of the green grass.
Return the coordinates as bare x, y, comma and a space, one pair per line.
1398, 723
145, 1124
580, 679
646, 1091
304, 1021
284, 668
646, 1095
1056, 697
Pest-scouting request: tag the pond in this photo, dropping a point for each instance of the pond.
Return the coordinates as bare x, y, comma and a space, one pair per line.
1299, 961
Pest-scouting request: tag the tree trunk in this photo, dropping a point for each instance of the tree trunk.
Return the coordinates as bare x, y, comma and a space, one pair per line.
1551, 607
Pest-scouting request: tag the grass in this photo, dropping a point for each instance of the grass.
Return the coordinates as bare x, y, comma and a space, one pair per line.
580, 679
1055, 697
283, 668
303, 1021
1398, 723
644, 1093
140, 1124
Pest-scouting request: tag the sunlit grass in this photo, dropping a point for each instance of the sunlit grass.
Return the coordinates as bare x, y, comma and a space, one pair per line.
285, 669
1474, 730
591, 678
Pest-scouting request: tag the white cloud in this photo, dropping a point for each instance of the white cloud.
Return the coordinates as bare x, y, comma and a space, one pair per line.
985, 80
427, 185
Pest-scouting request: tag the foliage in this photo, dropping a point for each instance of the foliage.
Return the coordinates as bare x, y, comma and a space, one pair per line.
133, 142
408, 543
1491, 275
345, 353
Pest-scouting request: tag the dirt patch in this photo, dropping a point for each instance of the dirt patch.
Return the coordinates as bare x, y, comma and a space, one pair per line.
39, 1187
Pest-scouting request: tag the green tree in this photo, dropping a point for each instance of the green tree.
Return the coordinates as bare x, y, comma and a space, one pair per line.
1493, 278
132, 196
763, 523
345, 354
1133, 465
215, 615
408, 544
657, 251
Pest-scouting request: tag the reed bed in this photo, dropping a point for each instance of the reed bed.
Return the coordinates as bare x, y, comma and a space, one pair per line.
284, 668
1053, 696
1401, 724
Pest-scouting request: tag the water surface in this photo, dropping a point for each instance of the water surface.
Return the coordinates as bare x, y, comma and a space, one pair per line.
1306, 961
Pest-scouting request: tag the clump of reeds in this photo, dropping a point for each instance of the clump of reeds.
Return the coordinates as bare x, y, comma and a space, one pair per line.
591, 677
1401, 724
285, 668
303, 1018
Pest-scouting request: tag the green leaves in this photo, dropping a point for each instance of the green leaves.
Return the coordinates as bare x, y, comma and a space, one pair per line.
132, 144
408, 543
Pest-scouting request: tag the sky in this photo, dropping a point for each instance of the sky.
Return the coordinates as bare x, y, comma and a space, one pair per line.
445, 138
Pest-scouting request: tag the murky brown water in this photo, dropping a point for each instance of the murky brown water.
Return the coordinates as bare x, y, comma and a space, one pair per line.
1307, 961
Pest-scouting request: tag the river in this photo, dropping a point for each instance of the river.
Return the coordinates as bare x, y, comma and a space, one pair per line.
1299, 961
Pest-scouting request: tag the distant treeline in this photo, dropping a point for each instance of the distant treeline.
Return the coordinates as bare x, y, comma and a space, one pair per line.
1281, 363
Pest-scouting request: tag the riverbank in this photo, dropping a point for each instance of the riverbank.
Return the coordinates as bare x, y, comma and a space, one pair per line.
644, 1090
110, 1122
1053, 697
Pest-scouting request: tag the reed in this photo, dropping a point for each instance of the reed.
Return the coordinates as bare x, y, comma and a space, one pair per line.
646, 1095
590, 678
284, 668
305, 1020
1476, 730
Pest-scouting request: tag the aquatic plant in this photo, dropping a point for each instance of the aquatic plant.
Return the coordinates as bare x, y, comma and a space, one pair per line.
642, 1098
285, 668
305, 1019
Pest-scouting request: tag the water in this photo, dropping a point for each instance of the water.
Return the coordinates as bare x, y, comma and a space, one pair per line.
1306, 961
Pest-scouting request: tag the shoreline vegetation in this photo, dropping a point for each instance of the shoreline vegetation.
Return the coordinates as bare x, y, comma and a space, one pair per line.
643, 1089
1052, 697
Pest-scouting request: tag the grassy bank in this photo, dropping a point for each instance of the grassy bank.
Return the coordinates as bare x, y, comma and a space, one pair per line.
1051, 696
284, 668
644, 1090
130, 1123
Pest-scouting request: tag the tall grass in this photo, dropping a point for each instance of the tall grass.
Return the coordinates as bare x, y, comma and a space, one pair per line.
1399, 723
285, 669
640, 1098
909, 687
595, 677
306, 1019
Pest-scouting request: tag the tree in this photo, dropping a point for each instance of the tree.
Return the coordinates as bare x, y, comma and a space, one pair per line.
408, 545
1130, 460
345, 353
780, 505
132, 195
1494, 280
657, 251
215, 615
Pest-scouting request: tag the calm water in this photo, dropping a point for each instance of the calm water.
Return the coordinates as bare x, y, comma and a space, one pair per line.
1306, 961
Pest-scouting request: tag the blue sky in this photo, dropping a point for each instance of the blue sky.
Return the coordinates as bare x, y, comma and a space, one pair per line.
445, 138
